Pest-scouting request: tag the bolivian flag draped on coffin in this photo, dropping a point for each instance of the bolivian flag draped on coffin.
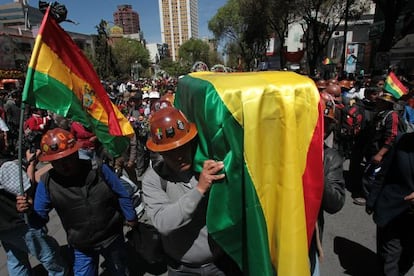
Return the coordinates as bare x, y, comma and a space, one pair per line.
267, 128
61, 79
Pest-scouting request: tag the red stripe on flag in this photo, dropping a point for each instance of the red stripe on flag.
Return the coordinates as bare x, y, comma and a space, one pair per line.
313, 177
394, 79
63, 45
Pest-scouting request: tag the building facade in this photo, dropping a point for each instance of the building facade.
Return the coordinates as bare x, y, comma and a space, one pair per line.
127, 19
19, 15
179, 23
19, 25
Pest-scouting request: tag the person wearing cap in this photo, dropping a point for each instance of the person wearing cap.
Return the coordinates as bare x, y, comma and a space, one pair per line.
387, 125
89, 200
153, 97
176, 197
145, 104
139, 157
359, 151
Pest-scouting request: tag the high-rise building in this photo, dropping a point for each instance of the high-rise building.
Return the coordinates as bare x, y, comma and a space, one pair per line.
179, 23
127, 19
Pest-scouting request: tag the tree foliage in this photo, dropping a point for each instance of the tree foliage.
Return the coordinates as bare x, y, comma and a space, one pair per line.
127, 52
282, 14
174, 68
256, 17
214, 58
245, 26
104, 62
321, 19
193, 50
242, 25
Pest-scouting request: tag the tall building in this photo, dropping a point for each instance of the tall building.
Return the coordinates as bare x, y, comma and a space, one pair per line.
19, 15
127, 19
179, 23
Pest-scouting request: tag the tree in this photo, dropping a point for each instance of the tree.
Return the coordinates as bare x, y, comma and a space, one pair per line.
173, 68
233, 61
256, 16
282, 15
321, 18
391, 10
214, 58
104, 62
127, 52
193, 50
242, 27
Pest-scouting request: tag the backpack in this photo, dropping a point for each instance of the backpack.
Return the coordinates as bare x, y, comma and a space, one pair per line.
349, 126
352, 119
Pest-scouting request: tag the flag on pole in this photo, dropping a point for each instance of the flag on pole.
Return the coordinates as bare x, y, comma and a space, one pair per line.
61, 79
326, 61
267, 127
394, 86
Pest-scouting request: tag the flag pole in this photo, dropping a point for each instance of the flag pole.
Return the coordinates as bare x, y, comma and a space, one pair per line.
20, 154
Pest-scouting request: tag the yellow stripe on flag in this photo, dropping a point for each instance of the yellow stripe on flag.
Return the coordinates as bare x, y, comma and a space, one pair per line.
278, 128
50, 64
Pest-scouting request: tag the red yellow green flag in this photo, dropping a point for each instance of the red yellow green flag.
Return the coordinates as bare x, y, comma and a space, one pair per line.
267, 128
394, 86
61, 79
326, 61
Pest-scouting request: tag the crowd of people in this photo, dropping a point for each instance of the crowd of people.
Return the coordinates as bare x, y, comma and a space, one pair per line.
373, 128
69, 171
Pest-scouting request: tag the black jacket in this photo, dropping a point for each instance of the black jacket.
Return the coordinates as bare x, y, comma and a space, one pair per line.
333, 198
399, 182
89, 209
9, 217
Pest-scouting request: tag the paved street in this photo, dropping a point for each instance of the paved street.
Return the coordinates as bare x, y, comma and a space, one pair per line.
138, 267
348, 242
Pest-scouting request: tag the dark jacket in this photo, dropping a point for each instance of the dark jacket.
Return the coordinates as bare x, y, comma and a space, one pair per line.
9, 217
398, 183
89, 211
333, 198
334, 184
387, 127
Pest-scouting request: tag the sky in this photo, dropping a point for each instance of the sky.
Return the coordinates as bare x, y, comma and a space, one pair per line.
88, 13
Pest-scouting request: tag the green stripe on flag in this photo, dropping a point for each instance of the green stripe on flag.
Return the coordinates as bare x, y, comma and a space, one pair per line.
50, 94
234, 200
